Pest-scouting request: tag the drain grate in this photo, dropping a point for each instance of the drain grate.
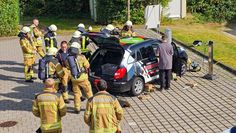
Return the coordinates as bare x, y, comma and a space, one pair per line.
8, 124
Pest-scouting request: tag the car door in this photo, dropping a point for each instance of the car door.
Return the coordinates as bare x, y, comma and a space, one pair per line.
176, 66
147, 63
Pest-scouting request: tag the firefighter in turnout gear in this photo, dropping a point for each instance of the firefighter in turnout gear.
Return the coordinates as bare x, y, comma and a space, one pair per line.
62, 55
28, 53
55, 70
49, 107
36, 36
127, 30
76, 37
79, 66
50, 37
103, 111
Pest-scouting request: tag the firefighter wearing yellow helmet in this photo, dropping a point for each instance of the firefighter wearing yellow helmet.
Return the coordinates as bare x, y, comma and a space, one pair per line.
28, 53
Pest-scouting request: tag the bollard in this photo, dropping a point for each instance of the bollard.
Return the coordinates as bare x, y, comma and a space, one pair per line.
168, 33
210, 75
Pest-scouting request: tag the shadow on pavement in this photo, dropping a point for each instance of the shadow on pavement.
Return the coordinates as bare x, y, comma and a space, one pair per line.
24, 93
13, 69
11, 63
11, 78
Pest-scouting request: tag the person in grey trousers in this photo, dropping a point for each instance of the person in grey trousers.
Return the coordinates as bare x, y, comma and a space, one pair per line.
165, 52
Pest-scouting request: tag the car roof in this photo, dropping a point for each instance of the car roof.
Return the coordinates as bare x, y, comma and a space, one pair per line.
142, 44
100, 39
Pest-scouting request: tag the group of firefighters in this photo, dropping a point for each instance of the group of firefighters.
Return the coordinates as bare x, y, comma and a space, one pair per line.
58, 67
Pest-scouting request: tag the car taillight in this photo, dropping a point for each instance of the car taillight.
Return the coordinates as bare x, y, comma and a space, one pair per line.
120, 73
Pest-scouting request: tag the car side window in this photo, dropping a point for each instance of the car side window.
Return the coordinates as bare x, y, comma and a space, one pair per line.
147, 53
139, 57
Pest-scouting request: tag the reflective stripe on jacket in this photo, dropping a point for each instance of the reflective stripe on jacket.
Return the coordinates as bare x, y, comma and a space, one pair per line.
103, 113
50, 107
36, 35
26, 47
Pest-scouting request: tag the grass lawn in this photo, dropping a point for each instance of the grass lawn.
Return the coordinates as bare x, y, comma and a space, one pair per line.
224, 46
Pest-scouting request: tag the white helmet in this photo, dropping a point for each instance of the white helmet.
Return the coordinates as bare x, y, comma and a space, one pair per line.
128, 23
90, 28
76, 34
52, 51
75, 45
52, 28
25, 30
110, 27
81, 25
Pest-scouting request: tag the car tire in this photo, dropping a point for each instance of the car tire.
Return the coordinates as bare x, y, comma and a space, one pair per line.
137, 86
183, 66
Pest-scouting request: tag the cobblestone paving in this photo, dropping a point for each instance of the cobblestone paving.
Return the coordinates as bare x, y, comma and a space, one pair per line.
209, 107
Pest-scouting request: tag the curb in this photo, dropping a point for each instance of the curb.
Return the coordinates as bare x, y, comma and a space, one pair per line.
225, 67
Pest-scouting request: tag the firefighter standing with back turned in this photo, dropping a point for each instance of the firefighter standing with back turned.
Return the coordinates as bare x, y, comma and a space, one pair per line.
49, 107
37, 35
103, 111
53, 69
79, 66
28, 53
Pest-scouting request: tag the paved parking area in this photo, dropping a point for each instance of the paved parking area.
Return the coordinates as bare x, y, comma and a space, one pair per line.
209, 107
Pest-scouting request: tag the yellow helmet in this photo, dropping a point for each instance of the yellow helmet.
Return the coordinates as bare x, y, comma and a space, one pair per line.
52, 51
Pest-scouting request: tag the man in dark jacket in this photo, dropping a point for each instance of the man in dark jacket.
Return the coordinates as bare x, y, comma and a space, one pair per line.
165, 52
62, 55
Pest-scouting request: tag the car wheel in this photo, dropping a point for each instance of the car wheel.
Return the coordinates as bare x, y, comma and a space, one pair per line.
183, 67
137, 86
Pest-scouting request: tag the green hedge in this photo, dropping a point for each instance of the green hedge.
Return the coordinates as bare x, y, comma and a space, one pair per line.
213, 10
54, 8
9, 17
115, 11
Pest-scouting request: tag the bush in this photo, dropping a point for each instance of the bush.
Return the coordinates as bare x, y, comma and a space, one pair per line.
9, 17
213, 10
58, 8
115, 11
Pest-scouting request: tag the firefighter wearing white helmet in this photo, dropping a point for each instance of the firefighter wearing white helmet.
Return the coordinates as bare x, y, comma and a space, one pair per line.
107, 31
76, 37
54, 70
81, 28
28, 53
50, 37
110, 27
127, 30
79, 74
